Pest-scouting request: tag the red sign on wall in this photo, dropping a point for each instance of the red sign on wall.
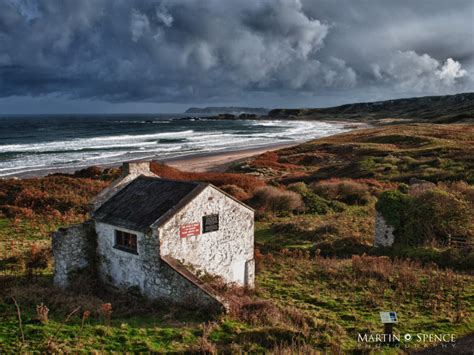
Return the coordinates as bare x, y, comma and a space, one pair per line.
189, 230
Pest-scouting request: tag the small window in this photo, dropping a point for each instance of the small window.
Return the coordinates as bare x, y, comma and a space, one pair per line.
210, 223
126, 241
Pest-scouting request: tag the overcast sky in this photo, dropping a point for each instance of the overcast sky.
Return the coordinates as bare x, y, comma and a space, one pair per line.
164, 56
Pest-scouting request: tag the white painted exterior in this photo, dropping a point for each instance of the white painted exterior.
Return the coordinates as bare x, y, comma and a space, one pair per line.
119, 267
144, 270
228, 252
155, 269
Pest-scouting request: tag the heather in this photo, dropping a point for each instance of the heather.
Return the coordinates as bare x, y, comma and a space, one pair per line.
319, 281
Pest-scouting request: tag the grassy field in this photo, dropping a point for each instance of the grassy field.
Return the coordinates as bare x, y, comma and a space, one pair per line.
319, 280
395, 153
301, 302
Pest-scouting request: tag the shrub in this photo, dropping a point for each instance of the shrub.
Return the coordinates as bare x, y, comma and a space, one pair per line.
299, 187
393, 205
235, 191
246, 182
341, 247
44, 195
312, 202
426, 214
277, 201
271, 160
16, 212
91, 172
460, 189
437, 214
347, 191
37, 258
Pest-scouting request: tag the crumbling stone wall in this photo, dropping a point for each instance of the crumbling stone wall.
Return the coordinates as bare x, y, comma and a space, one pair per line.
384, 236
73, 250
227, 252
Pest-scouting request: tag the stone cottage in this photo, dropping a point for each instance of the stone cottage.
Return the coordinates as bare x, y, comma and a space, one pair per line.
158, 236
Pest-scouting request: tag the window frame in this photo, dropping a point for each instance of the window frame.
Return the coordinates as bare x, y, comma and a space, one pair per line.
132, 240
204, 231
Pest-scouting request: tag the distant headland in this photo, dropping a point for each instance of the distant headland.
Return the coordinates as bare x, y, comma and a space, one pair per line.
435, 109
228, 110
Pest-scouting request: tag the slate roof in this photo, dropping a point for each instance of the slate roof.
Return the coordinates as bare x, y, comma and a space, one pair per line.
145, 200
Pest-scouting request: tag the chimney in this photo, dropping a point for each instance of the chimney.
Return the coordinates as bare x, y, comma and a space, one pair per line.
136, 168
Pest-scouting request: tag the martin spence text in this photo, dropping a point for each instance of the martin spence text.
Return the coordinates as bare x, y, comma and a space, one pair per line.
419, 338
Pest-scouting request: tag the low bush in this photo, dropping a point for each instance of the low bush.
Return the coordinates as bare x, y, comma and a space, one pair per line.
51, 194
245, 182
446, 258
16, 212
277, 201
94, 172
428, 213
235, 191
312, 202
346, 191
341, 247
436, 214
37, 259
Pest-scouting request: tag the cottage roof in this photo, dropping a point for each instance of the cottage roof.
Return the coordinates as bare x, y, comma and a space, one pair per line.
145, 200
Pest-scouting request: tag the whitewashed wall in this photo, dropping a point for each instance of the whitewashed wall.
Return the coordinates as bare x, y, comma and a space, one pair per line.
154, 278
119, 267
228, 252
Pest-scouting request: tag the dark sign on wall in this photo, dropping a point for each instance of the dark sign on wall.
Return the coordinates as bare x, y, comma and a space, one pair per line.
210, 223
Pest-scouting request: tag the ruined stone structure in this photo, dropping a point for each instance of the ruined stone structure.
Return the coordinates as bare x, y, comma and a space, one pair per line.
384, 232
384, 236
159, 236
73, 248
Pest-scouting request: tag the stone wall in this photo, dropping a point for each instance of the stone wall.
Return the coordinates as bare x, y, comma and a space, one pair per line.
384, 236
145, 270
73, 250
118, 267
228, 252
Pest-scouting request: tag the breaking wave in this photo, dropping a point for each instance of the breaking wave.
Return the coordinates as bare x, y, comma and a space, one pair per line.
73, 143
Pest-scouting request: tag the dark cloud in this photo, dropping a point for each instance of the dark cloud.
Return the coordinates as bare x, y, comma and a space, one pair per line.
282, 51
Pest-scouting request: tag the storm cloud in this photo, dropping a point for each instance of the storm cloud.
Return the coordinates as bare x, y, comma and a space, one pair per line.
284, 52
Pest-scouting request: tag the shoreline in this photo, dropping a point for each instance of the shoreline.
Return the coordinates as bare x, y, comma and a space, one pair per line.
199, 162
217, 161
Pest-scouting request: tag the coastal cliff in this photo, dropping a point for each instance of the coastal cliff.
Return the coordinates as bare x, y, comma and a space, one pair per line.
438, 109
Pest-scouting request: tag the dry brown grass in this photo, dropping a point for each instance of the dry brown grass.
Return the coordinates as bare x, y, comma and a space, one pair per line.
246, 182
45, 196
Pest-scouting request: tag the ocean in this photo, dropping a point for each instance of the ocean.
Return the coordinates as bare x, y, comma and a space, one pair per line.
31, 144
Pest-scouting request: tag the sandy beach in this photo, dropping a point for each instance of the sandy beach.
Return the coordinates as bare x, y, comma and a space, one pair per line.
219, 161
216, 161
213, 160
188, 146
